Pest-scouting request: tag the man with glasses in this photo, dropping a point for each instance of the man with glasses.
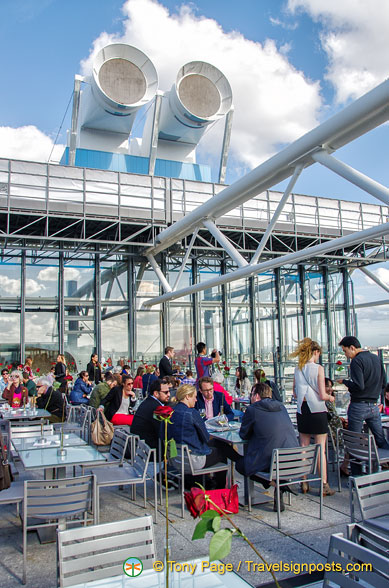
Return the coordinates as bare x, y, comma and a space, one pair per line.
51, 400
4, 379
119, 401
144, 423
212, 401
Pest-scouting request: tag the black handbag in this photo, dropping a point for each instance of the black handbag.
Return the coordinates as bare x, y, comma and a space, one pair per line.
6, 476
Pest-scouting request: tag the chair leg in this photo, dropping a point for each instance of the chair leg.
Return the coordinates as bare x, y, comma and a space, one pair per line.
24, 552
182, 495
98, 505
321, 496
144, 494
278, 494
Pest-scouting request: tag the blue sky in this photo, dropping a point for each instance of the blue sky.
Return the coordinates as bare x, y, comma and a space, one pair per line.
291, 65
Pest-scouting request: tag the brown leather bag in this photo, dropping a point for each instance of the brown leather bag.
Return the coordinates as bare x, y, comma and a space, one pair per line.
6, 476
102, 430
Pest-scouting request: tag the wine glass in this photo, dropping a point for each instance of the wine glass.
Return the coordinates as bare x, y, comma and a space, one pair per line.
202, 413
222, 420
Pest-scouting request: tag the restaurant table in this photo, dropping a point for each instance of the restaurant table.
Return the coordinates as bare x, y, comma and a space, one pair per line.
29, 443
20, 414
183, 579
231, 436
240, 401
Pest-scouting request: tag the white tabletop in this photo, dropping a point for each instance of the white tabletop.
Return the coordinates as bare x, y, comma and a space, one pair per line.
202, 578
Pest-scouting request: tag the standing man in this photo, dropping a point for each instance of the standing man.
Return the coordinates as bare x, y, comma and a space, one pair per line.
165, 365
366, 384
203, 363
144, 423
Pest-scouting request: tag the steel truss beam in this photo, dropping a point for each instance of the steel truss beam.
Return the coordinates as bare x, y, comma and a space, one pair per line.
289, 258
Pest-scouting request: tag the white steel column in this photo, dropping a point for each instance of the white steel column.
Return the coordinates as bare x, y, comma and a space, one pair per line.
289, 258
297, 171
358, 118
184, 261
353, 175
374, 278
225, 243
165, 284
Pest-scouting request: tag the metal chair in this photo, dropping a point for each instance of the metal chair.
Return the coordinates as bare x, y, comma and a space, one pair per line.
129, 475
78, 421
33, 430
290, 466
117, 450
185, 461
95, 553
370, 569
362, 450
365, 536
372, 495
55, 501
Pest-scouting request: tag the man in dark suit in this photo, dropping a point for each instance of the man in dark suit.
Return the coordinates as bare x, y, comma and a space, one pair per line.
211, 400
165, 365
144, 424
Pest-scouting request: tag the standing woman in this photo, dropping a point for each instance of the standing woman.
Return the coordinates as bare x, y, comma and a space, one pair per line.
15, 393
94, 369
242, 384
309, 389
138, 383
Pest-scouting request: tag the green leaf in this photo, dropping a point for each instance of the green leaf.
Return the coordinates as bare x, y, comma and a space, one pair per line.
201, 528
220, 544
172, 448
216, 524
210, 514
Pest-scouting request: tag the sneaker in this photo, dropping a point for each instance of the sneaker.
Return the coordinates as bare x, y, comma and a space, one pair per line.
327, 490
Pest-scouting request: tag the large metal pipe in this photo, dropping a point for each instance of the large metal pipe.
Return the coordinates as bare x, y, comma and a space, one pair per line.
289, 258
361, 116
200, 96
123, 80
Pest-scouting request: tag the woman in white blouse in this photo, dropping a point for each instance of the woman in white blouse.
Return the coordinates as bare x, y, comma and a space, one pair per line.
309, 389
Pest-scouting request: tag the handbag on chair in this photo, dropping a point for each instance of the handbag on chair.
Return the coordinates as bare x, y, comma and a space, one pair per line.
101, 430
6, 476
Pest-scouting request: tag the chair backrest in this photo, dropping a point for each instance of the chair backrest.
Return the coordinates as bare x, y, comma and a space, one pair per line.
33, 430
370, 569
372, 494
59, 499
118, 447
5, 430
98, 552
142, 457
359, 533
361, 447
294, 462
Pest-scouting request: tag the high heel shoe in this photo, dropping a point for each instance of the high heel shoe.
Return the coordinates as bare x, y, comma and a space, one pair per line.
304, 487
327, 490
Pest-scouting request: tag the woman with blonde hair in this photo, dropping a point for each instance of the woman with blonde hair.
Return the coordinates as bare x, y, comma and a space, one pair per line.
309, 389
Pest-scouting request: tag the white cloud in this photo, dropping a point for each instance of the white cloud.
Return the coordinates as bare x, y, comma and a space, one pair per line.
355, 38
48, 274
28, 143
12, 286
274, 103
71, 273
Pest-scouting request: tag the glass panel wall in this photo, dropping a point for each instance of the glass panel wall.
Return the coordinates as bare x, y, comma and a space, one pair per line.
317, 320
180, 333
149, 336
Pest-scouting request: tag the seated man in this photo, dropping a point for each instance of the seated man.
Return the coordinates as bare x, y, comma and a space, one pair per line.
51, 400
212, 401
29, 384
144, 423
101, 390
266, 426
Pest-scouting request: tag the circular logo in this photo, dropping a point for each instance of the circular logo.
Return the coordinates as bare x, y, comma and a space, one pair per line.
132, 567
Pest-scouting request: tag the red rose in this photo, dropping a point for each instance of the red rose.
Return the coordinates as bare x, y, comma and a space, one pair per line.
53, 363
255, 361
68, 378
154, 365
37, 370
1, 364
339, 363
104, 365
226, 500
163, 412
174, 363
243, 362
227, 369
224, 362
20, 367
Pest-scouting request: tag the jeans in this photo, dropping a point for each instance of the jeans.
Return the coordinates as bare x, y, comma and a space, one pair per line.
360, 412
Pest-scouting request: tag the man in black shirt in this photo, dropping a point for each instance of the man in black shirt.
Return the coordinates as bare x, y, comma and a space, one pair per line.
144, 423
367, 381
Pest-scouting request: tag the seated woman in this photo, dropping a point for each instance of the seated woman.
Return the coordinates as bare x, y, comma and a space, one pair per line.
81, 389
242, 384
188, 428
119, 401
15, 393
147, 379
51, 400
